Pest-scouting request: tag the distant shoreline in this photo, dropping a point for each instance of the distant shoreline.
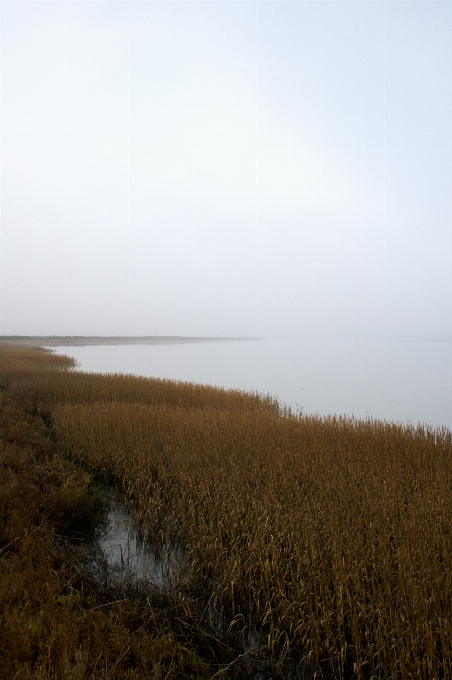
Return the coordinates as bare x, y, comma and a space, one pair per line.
83, 340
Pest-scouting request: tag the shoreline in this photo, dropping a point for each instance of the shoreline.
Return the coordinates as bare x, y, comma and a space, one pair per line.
86, 340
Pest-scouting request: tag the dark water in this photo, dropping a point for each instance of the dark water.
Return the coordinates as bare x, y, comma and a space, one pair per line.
121, 552
121, 556
400, 381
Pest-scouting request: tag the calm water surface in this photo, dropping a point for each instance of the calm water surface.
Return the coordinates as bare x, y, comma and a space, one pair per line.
121, 553
401, 381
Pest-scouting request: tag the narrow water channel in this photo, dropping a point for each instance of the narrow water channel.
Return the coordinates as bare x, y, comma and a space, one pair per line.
121, 553
121, 556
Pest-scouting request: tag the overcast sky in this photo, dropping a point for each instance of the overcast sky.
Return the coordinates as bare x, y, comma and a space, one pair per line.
268, 168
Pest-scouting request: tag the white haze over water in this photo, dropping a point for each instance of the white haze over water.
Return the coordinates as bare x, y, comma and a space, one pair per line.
276, 169
396, 381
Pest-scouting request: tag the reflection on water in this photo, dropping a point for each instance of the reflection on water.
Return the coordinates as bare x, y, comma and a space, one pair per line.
121, 552
122, 556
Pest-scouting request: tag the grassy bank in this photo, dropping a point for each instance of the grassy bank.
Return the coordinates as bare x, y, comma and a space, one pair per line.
55, 623
329, 540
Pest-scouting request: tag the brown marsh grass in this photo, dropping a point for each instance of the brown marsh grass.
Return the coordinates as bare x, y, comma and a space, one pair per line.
329, 537
55, 624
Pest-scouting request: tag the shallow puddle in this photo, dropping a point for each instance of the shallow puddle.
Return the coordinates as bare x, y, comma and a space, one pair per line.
121, 554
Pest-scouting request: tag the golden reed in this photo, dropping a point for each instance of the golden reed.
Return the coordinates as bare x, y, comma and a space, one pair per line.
331, 537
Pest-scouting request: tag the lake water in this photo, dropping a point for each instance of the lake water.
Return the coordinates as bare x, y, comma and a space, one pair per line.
400, 381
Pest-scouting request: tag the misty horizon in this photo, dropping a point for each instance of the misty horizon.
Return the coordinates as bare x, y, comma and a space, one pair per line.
277, 169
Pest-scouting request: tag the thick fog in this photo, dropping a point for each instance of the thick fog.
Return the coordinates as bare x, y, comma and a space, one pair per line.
273, 169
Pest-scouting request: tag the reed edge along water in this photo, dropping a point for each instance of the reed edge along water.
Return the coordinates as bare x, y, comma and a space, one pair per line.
327, 539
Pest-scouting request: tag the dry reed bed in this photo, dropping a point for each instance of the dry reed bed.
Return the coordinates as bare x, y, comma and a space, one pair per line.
29, 380
332, 536
55, 623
